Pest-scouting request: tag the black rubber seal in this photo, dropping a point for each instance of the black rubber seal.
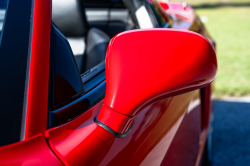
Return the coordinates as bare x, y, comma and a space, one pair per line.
112, 131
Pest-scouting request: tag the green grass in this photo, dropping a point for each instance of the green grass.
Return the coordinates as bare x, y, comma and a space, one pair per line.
230, 27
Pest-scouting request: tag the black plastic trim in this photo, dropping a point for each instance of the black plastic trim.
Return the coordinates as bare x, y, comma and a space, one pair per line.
112, 131
78, 106
64, 72
90, 74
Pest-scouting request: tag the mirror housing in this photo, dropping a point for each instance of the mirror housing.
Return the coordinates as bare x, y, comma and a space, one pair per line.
145, 66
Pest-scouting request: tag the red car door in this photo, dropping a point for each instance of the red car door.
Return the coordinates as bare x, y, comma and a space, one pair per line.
147, 143
65, 119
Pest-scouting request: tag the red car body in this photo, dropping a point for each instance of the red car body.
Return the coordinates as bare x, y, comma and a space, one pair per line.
169, 130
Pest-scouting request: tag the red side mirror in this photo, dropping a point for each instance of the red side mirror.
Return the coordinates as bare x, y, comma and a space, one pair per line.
145, 66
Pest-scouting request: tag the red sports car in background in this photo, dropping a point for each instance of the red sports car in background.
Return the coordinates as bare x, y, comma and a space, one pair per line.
104, 82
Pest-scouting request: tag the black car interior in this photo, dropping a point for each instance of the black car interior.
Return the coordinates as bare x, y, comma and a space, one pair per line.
89, 28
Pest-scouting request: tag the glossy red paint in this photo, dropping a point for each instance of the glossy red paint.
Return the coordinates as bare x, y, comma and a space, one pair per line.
164, 5
37, 99
185, 144
33, 151
82, 142
185, 63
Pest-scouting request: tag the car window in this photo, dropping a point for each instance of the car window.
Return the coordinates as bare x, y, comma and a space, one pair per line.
14, 53
89, 26
3, 7
86, 41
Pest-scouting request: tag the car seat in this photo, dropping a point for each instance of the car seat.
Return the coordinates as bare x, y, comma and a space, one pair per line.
88, 45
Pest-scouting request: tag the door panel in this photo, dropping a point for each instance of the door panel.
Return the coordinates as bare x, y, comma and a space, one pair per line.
81, 141
185, 145
34, 151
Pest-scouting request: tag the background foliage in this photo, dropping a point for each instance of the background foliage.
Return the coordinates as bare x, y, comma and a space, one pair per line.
228, 22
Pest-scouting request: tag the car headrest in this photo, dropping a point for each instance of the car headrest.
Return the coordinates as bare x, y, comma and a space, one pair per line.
67, 16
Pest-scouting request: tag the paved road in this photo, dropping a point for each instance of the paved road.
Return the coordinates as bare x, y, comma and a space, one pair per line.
231, 136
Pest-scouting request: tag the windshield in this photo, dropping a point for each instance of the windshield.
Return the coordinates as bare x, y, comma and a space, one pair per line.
15, 24
3, 7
